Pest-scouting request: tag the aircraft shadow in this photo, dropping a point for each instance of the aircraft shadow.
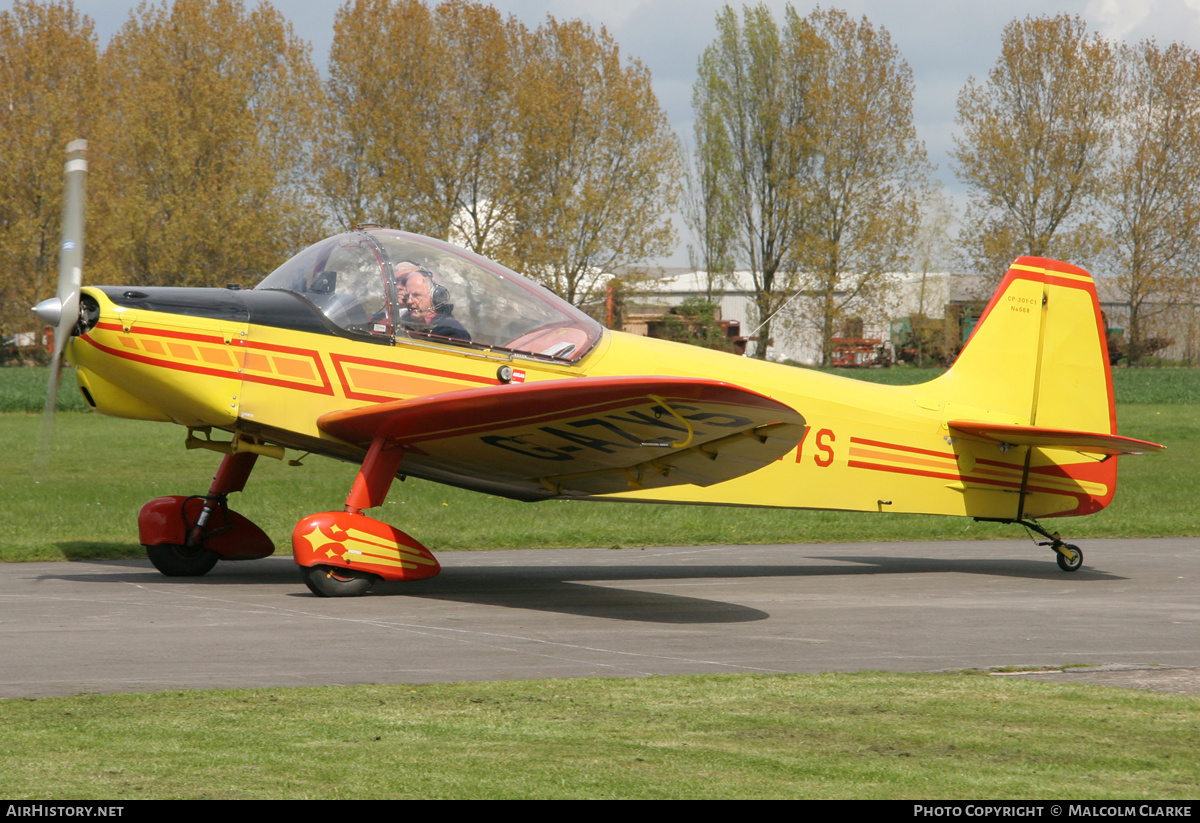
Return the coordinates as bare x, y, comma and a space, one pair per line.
560, 596
87, 551
1032, 568
570, 589
566, 589
556, 590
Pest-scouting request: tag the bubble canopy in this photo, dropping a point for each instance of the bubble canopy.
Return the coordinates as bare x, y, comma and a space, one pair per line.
392, 285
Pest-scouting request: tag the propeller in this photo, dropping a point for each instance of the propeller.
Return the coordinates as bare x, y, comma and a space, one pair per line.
62, 311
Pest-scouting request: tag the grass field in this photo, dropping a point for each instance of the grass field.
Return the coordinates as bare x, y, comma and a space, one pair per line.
84, 505
865, 735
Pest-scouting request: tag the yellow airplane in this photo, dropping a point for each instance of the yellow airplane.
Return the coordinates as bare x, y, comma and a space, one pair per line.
412, 357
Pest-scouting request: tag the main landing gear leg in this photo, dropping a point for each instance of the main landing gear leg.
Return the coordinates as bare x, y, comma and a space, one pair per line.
186, 536
1068, 555
343, 554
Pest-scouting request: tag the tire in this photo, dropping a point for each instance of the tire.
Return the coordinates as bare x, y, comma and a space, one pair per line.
1067, 565
180, 561
333, 581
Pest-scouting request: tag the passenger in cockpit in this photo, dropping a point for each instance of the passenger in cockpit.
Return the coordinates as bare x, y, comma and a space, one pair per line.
426, 303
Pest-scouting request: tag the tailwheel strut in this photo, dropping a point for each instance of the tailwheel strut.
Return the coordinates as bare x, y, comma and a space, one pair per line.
1068, 555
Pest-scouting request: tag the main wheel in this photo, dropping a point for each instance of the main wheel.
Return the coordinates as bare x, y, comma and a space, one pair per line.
1068, 565
334, 581
181, 561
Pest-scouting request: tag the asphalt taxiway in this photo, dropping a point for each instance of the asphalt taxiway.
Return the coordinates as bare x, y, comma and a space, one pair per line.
1131, 616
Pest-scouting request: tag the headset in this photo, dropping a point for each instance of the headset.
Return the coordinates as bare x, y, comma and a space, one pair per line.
439, 295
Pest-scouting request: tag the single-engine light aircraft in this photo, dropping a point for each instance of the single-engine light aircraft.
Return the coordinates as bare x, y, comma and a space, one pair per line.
410, 356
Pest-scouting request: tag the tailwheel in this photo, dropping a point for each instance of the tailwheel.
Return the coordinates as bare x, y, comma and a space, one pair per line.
182, 561
1069, 557
334, 581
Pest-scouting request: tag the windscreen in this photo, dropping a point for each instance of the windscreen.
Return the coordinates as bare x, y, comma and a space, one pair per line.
384, 282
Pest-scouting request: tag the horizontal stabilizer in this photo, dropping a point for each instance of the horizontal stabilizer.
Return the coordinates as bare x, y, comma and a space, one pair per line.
1091, 442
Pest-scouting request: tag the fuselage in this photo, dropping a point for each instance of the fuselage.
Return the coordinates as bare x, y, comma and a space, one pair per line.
265, 365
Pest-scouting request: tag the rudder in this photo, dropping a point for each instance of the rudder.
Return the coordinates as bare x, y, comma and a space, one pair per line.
1038, 356
1035, 376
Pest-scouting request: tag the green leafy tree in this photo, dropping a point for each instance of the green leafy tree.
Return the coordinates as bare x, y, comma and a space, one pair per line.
1034, 142
202, 146
598, 163
707, 208
865, 170
1154, 185
694, 321
48, 75
422, 131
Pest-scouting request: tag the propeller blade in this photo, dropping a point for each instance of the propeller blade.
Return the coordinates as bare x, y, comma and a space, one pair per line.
62, 311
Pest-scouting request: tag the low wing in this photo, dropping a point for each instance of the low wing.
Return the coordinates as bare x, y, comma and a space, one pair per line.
582, 436
1091, 442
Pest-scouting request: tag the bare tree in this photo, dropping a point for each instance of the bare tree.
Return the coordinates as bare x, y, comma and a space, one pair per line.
707, 209
750, 108
932, 251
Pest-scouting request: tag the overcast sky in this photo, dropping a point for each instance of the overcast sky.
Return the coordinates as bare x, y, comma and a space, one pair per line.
944, 42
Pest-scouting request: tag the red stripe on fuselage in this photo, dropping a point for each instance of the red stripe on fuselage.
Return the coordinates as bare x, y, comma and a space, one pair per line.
339, 359
325, 388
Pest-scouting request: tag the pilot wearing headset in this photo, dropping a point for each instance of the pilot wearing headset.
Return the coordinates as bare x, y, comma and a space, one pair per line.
426, 303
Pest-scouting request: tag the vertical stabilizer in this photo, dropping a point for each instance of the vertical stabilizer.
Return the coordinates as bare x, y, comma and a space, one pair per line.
1038, 356
1034, 381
